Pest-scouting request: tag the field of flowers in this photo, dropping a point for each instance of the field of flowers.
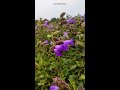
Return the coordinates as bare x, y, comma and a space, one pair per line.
60, 53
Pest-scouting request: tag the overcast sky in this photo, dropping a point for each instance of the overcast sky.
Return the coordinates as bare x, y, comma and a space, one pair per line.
47, 9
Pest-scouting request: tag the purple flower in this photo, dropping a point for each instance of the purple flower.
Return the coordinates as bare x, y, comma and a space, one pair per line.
71, 21
46, 42
51, 43
53, 87
46, 23
58, 52
69, 42
58, 47
65, 47
65, 34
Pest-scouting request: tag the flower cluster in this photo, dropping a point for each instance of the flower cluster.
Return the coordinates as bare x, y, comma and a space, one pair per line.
63, 47
71, 21
47, 42
54, 87
46, 23
65, 34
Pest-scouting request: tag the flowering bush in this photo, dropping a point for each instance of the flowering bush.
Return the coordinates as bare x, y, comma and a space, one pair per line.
60, 53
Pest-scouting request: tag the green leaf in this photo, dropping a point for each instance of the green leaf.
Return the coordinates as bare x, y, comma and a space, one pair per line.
73, 67
81, 84
41, 76
82, 77
65, 72
53, 65
78, 63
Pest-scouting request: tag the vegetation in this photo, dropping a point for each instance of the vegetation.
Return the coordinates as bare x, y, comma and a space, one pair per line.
60, 53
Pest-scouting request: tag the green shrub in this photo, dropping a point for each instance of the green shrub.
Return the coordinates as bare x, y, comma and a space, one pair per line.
70, 67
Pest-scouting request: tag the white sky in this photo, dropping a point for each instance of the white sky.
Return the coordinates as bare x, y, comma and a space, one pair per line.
47, 9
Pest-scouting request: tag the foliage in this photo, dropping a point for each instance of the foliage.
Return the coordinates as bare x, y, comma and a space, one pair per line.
70, 67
